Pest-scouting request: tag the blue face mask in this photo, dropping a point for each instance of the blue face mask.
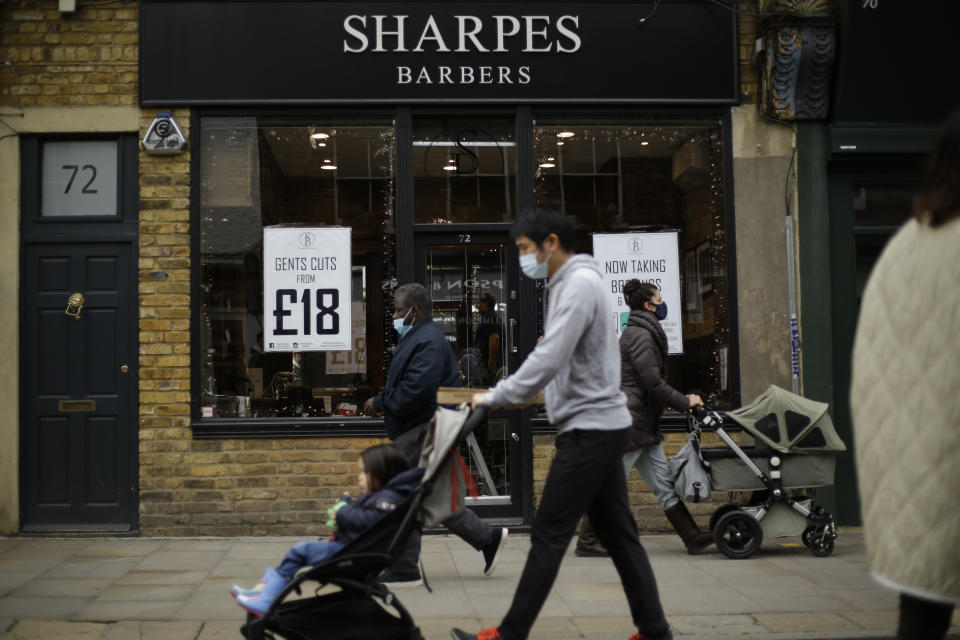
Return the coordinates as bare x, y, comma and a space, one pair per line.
531, 268
402, 329
661, 311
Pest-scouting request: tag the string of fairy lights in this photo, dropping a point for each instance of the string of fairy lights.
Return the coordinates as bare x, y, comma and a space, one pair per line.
389, 235
718, 261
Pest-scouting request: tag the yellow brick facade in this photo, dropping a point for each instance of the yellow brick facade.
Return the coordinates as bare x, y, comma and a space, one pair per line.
62, 65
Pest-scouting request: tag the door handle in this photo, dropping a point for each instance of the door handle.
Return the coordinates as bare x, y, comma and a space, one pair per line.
513, 336
75, 305
515, 437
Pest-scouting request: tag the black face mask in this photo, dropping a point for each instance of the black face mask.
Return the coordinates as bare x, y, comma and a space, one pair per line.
661, 311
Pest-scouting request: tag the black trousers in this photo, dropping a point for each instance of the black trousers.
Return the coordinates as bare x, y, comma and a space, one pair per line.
586, 476
922, 619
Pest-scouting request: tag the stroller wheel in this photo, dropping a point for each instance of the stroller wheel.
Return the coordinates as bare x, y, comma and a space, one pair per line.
737, 534
818, 541
715, 517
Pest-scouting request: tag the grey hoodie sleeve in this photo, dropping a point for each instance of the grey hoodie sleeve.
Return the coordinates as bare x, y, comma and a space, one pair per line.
570, 314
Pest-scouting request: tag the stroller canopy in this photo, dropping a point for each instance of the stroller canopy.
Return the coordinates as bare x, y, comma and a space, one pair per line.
789, 423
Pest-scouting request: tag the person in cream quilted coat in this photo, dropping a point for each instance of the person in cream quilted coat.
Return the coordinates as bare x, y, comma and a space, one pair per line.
905, 399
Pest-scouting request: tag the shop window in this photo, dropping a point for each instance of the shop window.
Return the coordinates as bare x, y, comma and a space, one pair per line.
618, 178
464, 170
254, 173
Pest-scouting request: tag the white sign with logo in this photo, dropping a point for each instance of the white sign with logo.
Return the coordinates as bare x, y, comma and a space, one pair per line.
306, 289
647, 257
164, 135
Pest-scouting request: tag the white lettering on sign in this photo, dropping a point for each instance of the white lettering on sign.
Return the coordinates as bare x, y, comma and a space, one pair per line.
432, 32
571, 35
463, 75
472, 34
502, 33
383, 32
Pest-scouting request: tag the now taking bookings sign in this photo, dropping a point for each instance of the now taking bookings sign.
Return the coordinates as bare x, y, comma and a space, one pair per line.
306, 289
647, 257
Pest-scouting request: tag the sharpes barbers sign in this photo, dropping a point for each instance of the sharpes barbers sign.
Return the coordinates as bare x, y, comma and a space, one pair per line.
349, 52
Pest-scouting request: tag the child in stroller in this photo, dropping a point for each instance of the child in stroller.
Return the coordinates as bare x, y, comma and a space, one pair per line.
384, 480
348, 601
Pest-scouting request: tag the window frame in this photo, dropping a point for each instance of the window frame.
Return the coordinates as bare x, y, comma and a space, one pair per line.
405, 231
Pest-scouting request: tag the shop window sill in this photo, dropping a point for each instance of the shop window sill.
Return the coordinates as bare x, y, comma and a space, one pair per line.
332, 427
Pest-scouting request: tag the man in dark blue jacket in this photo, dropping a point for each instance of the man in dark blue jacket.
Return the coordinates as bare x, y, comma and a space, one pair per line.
422, 363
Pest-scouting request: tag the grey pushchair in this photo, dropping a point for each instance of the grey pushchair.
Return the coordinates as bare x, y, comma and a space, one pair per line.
795, 452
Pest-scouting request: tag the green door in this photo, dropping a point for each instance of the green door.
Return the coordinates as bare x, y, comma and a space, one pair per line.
869, 200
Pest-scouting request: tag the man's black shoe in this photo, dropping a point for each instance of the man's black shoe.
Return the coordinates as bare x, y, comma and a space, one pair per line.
395, 580
491, 552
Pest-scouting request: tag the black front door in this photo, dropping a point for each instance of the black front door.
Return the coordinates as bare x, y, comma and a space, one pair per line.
79, 432
473, 280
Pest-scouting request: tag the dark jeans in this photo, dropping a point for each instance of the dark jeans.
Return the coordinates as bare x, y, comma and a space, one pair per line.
466, 524
586, 476
923, 619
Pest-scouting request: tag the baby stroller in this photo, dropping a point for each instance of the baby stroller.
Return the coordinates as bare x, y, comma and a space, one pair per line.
345, 600
795, 452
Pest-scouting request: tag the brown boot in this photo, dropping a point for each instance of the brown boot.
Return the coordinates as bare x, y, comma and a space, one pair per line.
694, 539
588, 544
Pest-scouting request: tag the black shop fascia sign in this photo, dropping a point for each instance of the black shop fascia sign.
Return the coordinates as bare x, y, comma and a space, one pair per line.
224, 53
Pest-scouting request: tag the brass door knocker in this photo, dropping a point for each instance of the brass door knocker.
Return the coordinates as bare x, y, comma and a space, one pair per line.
75, 305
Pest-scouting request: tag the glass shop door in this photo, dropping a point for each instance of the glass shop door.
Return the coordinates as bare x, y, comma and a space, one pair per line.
474, 282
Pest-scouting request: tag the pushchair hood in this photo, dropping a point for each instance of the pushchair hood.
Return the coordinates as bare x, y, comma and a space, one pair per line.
789, 423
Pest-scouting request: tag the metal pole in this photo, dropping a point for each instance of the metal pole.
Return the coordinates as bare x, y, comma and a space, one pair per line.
794, 328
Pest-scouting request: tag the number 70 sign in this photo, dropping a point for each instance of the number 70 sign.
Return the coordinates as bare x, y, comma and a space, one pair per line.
306, 288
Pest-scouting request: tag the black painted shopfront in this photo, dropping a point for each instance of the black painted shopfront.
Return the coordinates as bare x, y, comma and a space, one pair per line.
424, 127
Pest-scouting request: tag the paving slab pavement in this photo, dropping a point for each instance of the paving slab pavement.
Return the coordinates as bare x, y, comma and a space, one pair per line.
177, 589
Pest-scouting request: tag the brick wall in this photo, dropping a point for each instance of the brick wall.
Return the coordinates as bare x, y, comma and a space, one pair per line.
49, 59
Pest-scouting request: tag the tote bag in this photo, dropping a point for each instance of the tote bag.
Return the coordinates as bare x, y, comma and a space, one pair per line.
690, 472
444, 464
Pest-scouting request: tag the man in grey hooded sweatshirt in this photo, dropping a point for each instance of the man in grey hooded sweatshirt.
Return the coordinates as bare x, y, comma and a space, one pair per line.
578, 363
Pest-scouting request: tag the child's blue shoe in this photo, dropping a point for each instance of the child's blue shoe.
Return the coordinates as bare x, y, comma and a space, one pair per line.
273, 584
236, 590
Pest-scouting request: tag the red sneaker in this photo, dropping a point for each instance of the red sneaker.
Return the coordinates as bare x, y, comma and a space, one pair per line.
487, 634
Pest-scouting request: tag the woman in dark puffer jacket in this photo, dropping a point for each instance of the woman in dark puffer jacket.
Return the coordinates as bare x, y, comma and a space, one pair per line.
643, 351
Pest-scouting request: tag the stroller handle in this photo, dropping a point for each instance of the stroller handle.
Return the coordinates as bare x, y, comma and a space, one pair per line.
707, 417
476, 417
